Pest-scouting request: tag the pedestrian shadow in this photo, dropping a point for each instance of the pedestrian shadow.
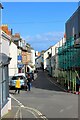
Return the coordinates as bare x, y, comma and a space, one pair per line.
12, 92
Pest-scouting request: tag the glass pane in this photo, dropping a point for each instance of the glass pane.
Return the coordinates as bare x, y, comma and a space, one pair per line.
14, 78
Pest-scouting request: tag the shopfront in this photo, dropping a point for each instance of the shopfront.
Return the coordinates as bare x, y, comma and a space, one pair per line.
4, 84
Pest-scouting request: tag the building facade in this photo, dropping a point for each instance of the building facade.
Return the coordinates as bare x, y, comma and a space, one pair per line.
68, 54
55, 58
13, 69
38, 61
5, 100
73, 46
46, 56
33, 58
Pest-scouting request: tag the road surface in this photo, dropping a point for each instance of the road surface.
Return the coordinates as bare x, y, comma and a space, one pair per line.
45, 100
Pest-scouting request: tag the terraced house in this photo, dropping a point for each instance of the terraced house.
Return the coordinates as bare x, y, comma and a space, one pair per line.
5, 100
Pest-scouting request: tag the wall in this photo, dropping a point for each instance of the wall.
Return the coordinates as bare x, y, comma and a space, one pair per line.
28, 57
72, 26
4, 48
24, 57
46, 56
33, 57
13, 63
38, 62
5, 43
54, 59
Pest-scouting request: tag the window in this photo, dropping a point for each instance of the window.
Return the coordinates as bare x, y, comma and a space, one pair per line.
16, 77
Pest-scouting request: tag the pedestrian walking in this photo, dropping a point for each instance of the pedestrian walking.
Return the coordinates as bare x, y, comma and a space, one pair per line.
25, 85
29, 80
17, 86
33, 76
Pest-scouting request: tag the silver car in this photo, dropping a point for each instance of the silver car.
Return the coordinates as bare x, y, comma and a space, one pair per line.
14, 78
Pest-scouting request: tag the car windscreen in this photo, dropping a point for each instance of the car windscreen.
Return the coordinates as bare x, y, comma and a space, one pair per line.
21, 77
16, 77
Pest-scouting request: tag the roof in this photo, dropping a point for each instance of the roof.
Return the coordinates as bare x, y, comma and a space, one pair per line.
76, 12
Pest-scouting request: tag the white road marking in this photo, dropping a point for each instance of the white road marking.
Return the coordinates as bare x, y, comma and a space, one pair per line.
32, 113
57, 85
29, 108
16, 116
22, 105
20, 114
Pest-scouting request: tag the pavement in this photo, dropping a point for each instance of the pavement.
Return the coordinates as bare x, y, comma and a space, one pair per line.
18, 111
14, 108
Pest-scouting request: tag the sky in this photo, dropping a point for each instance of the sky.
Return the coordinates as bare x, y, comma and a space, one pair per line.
41, 24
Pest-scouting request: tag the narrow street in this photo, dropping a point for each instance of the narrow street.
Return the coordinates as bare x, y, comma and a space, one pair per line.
45, 99
43, 36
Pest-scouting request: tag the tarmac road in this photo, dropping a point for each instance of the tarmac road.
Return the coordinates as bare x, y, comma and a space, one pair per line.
45, 100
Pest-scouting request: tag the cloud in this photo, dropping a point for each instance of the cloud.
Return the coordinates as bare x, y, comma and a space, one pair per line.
45, 40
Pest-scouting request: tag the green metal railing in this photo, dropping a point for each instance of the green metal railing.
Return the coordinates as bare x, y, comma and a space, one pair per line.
69, 55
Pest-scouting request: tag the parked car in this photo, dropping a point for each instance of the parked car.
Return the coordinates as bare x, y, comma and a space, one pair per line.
14, 78
20, 74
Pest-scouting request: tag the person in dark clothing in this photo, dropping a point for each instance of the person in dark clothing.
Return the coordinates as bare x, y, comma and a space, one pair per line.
32, 76
25, 85
29, 80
